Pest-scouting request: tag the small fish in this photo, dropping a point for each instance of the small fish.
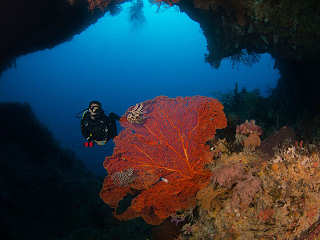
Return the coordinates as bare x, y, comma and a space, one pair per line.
164, 180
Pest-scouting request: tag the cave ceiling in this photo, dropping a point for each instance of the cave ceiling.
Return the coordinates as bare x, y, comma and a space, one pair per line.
286, 29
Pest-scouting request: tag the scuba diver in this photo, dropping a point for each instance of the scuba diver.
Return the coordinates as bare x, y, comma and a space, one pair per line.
96, 126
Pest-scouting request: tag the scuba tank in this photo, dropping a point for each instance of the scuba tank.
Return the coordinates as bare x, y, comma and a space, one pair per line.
82, 113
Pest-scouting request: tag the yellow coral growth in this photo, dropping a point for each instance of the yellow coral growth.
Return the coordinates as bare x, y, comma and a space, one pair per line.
209, 200
278, 199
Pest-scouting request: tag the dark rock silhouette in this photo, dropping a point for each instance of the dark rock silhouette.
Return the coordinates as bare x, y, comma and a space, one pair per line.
28, 26
46, 192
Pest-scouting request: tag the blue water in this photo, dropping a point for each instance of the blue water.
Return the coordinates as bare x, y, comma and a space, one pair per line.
121, 63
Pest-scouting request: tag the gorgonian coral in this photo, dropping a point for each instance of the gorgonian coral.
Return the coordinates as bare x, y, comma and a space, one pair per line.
248, 134
169, 145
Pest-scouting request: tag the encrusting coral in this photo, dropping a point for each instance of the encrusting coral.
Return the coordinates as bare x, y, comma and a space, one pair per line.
253, 198
167, 154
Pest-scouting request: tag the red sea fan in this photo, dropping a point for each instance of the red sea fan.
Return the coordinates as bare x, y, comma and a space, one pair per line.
169, 145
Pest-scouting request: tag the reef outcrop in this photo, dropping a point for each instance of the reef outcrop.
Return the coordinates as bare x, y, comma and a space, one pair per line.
287, 30
46, 192
253, 197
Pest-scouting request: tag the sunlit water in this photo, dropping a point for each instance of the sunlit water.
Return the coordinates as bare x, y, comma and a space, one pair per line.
120, 64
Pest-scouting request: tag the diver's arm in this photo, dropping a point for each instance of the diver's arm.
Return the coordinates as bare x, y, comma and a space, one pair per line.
113, 125
114, 116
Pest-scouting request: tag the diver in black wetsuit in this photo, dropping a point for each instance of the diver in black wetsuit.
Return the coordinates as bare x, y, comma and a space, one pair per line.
96, 126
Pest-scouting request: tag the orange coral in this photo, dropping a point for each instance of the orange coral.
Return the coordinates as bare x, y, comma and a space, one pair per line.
168, 146
102, 4
266, 214
248, 128
248, 134
169, 2
252, 142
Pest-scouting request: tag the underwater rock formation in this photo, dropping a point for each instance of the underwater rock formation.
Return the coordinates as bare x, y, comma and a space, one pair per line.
252, 197
28, 26
168, 155
46, 192
288, 30
285, 29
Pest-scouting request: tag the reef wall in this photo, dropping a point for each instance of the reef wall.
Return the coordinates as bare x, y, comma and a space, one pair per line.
287, 30
46, 192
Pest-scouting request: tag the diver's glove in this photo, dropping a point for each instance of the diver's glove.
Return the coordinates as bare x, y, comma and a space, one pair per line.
89, 139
